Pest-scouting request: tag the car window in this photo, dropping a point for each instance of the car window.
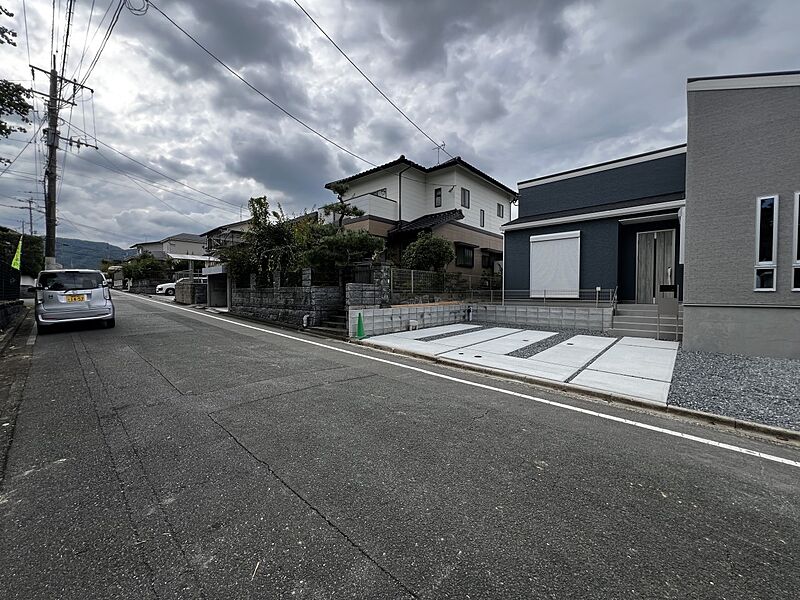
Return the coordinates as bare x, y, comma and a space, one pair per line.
59, 282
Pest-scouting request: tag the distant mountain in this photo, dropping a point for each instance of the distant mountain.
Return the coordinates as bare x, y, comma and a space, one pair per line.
83, 254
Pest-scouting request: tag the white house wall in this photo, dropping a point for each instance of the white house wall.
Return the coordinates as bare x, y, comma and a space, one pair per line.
482, 196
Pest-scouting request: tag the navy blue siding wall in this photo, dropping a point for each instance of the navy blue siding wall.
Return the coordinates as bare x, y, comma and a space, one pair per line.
599, 257
642, 180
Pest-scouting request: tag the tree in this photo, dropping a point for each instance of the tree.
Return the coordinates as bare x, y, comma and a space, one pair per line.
341, 248
13, 96
144, 266
341, 207
428, 253
271, 240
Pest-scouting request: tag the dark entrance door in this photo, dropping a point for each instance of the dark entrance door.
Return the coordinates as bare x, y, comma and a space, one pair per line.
655, 263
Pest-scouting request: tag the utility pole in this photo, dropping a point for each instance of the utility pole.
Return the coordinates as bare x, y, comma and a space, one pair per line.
54, 100
52, 149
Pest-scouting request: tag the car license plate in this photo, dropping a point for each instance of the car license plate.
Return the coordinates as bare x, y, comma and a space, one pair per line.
76, 298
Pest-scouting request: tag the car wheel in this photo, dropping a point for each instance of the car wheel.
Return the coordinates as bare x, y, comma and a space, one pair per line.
111, 323
169, 292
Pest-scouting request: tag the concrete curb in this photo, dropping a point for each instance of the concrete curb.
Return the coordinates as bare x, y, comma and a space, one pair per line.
778, 433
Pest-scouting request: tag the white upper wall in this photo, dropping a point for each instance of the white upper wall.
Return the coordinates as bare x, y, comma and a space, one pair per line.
418, 195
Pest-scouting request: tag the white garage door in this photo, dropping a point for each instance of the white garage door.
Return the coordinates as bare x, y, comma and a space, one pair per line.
556, 265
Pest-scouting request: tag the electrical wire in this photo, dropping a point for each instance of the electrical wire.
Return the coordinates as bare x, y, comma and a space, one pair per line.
111, 25
86, 37
164, 175
257, 91
372, 83
8, 166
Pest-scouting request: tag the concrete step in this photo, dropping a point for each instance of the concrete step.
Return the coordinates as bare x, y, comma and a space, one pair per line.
329, 332
334, 324
642, 333
648, 321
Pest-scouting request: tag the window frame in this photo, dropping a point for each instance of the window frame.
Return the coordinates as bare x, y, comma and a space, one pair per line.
437, 198
501, 210
471, 249
795, 243
762, 265
463, 189
482, 218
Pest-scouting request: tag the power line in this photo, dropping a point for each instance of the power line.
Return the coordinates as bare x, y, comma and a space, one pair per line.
257, 91
86, 37
164, 175
153, 195
103, 43
148, 182
35, 133
372, 83
94, 35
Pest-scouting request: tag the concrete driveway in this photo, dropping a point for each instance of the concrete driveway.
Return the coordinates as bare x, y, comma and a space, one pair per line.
632, 367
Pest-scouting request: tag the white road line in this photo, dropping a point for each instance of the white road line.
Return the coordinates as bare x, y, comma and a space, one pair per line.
584, 411
32, 337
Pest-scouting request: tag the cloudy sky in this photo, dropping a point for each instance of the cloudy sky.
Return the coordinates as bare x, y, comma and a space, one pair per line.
520, 88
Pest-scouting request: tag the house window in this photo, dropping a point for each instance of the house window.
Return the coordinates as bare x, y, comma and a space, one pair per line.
796, 245
500, 210
437, 198
483, 218
766, 243
465, 256
555, 265
465, 197
487, 260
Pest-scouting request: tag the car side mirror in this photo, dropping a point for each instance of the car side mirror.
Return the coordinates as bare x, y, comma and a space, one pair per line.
35, 288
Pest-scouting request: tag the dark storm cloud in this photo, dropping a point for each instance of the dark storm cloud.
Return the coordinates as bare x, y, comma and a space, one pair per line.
420, 31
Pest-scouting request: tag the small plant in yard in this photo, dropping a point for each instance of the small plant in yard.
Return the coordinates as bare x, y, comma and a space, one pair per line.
428, 253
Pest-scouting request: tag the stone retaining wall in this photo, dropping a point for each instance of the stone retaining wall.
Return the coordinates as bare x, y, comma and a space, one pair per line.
287, 305
143, 286
9, 309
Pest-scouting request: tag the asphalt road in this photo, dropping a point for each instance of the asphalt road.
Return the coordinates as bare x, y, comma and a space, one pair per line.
179, 456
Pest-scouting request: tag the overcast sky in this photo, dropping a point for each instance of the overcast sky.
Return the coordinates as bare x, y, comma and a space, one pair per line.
520, 88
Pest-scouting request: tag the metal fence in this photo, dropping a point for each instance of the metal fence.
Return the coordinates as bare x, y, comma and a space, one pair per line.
412, 286
599, 297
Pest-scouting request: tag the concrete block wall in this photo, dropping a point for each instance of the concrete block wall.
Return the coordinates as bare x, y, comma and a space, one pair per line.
559, 317
191, 293
378, 321
144, 286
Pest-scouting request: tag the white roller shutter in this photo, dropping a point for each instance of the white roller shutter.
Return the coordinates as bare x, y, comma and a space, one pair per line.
556, 265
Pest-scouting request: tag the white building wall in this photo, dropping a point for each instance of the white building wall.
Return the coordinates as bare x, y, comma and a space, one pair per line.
181, 247
360, 192
482, 196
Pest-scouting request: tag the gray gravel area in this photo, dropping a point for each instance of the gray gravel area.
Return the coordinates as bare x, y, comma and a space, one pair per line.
455, 333
765, 390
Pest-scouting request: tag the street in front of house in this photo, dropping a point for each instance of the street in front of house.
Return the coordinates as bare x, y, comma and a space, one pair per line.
186, 454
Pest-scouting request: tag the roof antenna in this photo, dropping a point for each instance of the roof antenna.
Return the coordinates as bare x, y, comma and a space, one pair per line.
438, 148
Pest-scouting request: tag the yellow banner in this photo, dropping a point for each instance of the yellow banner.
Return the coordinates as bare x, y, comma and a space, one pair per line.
17, 256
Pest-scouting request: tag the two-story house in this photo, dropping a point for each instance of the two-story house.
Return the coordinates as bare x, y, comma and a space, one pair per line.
454, 200
181, 246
